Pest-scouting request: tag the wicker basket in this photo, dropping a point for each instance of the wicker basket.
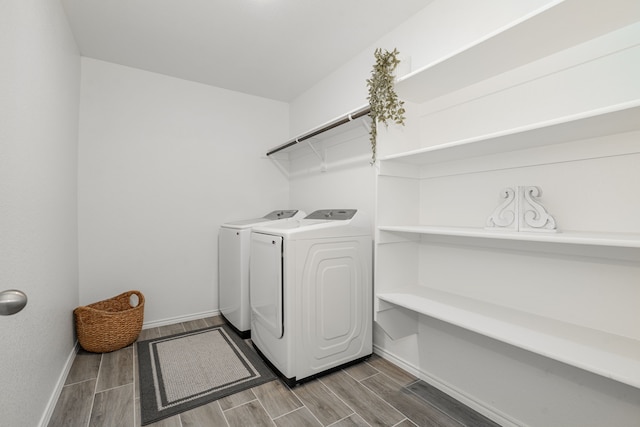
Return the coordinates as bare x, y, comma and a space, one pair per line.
111, 324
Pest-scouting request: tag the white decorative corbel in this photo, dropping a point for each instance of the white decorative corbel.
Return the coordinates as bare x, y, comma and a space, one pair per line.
505, 215
521, 211
533, 216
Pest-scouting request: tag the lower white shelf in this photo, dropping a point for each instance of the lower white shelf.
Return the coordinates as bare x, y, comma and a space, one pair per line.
605, 354
625, 240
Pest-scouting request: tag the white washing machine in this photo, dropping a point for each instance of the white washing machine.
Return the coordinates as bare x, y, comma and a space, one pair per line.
311, 293
233, 267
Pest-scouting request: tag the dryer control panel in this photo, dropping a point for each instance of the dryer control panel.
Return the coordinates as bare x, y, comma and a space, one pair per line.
334, 214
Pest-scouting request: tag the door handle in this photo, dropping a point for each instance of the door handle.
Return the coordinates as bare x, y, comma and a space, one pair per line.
12, 301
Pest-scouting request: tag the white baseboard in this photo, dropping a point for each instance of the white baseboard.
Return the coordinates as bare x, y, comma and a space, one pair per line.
51, 405
410, 368
489, 412
179, 319
478, 406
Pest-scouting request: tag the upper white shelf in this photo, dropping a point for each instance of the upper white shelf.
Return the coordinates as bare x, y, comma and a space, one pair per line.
591, 124
606, 354
555, 27
624, 240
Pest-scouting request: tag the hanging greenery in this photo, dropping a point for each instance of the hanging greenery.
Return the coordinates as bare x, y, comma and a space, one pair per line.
384, 103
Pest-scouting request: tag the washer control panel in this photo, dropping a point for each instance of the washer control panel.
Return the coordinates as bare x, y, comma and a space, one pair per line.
280, 214
333, 214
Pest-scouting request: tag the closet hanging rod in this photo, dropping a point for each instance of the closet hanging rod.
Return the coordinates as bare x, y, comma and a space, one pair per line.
331, 125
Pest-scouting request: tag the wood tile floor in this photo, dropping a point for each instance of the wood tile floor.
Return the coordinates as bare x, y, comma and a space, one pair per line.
102, 390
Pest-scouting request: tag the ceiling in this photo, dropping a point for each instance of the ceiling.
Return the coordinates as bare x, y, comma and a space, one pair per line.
275, 49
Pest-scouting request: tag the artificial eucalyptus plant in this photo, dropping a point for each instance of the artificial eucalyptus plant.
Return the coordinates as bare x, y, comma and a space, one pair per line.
384, 103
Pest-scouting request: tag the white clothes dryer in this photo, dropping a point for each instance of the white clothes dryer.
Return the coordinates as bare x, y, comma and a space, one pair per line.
311, 293
233, 267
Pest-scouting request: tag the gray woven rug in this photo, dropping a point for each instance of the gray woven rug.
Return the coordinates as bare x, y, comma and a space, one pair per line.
183, 371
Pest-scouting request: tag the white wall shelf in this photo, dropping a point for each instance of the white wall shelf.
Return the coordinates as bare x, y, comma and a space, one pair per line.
606, 121
605, 354
316, 141
535, 36
567, 295
623, 240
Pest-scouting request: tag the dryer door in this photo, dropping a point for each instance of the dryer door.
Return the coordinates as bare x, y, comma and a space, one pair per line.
265, 282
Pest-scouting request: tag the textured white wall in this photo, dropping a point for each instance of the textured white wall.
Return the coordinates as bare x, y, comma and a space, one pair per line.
163, 162
39, 83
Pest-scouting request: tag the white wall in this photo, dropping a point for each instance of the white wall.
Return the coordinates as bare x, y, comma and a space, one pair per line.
39, 83
163, 163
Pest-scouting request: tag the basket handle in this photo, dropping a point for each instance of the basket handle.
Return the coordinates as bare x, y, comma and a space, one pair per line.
139, 296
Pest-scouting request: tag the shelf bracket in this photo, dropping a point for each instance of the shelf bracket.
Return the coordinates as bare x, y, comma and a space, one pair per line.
321, 157
397, 322
280, 167
366, 125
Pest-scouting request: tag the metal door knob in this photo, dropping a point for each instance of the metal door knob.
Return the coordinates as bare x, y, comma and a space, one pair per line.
12, 301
